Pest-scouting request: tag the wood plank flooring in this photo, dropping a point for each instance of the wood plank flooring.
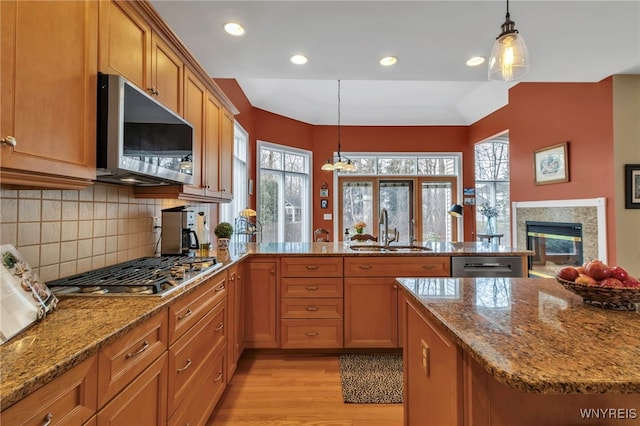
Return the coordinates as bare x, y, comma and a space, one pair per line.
293, 389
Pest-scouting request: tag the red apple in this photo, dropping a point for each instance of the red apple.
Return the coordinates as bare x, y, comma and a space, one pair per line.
568, 273
581, 269
610, 282
584, 279
619, 272
598, 270
631, 282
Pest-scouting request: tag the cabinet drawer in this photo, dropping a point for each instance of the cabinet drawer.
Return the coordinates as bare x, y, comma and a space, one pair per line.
311, 308
190, 309
414, 266
311, 287
319, 333
311, 266
187, 357
206, 393
121, 361
70, 399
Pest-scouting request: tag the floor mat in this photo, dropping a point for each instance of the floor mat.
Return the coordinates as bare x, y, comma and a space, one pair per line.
372, 378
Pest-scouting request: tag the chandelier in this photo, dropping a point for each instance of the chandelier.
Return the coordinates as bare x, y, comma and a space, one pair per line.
339, 161
509, 57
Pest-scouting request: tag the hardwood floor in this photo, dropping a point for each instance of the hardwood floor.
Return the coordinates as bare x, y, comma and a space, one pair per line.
293, 389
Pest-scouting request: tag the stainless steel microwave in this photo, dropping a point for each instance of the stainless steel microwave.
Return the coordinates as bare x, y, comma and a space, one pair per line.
140, 141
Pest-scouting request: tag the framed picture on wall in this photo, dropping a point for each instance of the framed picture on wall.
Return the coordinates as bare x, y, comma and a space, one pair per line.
632, 186
551, 164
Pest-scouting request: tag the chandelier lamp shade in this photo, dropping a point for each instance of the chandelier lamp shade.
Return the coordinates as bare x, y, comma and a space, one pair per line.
455, 210
339, 162
248, 212
509, 57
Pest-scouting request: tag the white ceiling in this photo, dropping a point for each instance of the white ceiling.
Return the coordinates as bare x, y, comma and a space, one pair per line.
568, 41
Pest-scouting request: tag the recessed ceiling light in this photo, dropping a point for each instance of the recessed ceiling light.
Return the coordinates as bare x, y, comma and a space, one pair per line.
299, 59
234, 28
388, 61
475, 61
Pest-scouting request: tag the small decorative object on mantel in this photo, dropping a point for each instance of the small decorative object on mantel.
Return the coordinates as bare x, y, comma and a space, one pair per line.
490, 213
224, 231
551, 164
24, 299
359, 227
632, 186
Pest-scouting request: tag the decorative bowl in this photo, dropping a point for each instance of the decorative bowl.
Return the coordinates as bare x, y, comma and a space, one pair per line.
620, 298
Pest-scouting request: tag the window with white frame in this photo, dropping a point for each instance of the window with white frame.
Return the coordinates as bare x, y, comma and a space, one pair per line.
229, 211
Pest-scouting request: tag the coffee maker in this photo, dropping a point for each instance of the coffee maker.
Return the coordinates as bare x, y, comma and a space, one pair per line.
178, 231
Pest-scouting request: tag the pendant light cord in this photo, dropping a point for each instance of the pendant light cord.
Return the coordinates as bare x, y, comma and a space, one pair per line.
339, 159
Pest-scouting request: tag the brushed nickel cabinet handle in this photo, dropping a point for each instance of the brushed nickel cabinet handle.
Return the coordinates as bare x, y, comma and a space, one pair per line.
312, 334
312, 308
364, 266
187, 365
186, 314
312, 287
47, 420
429, 266
220, 327
217, 379
232, 278
312, 266
144, 347
220, 287
9, 141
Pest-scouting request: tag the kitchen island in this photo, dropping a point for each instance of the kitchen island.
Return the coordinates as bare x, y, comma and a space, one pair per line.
505, 351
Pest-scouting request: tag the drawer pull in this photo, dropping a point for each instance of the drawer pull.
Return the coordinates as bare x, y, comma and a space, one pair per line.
312, 334
312, 287
217, 379
47, 419
429, 266
144, 347
312, 266
220, 327
187, 365
12, 142
220, 287
186, 314
364, 266
312, 308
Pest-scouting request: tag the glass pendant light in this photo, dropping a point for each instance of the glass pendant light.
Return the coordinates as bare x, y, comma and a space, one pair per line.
341, 162
509, 57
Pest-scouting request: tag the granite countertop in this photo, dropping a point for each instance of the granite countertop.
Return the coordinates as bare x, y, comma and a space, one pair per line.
534, 335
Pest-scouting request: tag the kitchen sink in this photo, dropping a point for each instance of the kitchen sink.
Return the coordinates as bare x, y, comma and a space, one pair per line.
390, 248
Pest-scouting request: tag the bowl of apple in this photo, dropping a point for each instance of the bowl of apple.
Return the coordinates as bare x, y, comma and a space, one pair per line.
601, 285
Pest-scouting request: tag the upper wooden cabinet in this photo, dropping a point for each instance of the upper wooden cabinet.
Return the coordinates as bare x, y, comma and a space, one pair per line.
48, 74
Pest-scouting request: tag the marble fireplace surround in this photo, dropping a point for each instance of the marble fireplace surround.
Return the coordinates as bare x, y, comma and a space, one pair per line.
590, 212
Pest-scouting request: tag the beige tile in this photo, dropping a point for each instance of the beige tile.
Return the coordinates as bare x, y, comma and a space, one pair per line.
112, 227
69, 210
99, 228
49, 254
123, 211
124, 194
50, 232
50, 272
123, 256
99, 246
83, 265
133, 241
86, 194
68, 251
9, 233
70, 194
123, 242
85, 211
111, 258
51, 194
69, 230
98, 262
6, 192
29, 210
30, 193
68, 268
51, 210
123, 226
85, 229
133, 211
112, 194
31, 254
28, 233
112, 210
111, 244
99, 192
8, 210
85, 248
99, 210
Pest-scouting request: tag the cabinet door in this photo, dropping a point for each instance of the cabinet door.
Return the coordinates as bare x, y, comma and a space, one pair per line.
260, 304
195, 96
370, 313
232, 323
48, 92
166, 74
143, 402
226, 154
211, 162
432, 375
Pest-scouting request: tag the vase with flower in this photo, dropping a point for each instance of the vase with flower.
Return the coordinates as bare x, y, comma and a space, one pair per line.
490, 213
359, 227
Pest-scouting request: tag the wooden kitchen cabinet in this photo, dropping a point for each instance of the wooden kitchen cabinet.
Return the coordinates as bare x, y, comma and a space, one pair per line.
260, 307
432, 374
235, 298
225, 171
70, 399
371, 296
48, 93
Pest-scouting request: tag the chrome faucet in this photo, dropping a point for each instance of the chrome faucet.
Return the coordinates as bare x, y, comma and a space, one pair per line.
412, 231
384, 224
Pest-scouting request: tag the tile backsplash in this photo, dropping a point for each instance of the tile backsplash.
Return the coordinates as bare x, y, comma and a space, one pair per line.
65, 232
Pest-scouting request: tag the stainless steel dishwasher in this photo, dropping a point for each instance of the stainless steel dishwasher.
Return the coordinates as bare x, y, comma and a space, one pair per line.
486, 266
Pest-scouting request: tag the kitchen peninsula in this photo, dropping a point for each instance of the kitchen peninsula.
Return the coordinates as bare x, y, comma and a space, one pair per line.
505, 351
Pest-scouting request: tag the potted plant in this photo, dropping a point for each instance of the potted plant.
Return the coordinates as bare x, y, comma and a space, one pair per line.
223, 231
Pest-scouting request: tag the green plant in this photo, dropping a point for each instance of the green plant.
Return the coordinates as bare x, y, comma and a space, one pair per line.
223, 230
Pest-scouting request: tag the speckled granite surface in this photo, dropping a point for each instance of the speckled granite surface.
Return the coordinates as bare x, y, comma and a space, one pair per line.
534, 335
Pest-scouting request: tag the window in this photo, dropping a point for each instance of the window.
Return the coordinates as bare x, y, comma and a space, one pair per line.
284, 200
492, 184
229, 211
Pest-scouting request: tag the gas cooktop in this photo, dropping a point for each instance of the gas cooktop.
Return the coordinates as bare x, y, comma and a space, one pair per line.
148, 276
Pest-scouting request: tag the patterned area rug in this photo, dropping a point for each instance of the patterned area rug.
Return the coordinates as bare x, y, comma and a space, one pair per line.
371, 379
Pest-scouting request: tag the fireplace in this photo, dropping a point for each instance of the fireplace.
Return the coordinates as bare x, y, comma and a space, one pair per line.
556, 244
